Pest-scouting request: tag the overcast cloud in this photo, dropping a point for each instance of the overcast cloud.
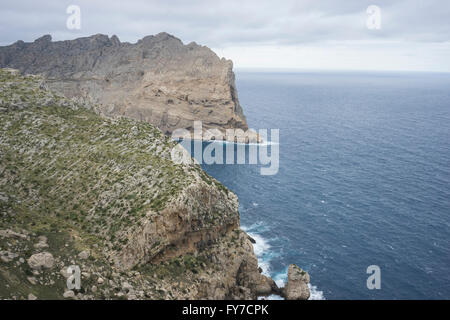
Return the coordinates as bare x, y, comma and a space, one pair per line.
311, 34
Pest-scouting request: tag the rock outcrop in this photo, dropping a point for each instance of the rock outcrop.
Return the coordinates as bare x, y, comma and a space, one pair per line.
158, 79
104, 194
297, 285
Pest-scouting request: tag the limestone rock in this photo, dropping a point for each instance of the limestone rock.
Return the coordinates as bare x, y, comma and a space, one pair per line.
32, 280
297, 285
64, 272
11, 234
8, 256
266, 286
158, 79
84, 254
32, 297
41, 260
69, 294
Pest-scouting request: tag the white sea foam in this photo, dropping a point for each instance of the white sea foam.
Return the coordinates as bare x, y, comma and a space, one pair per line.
315, 294
261, 247
271, 297
280, 278
261, 244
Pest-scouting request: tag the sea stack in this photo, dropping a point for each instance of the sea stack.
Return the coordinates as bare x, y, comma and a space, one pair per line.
297, 285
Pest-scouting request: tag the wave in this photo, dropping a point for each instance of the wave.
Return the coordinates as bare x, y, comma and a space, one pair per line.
256, 228
315, 293
262, 251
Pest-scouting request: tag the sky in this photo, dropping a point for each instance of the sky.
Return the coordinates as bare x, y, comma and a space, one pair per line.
406, 35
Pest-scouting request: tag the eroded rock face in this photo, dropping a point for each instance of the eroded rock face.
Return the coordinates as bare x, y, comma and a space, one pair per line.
297, 285
197, 217
158, 79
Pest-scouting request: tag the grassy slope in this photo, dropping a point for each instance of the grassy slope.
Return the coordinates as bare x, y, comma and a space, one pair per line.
77, 178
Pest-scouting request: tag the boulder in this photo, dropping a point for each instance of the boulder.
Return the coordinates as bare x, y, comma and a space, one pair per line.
32, 280
69, 294
64, 272
32, 297
84, 254
41, 260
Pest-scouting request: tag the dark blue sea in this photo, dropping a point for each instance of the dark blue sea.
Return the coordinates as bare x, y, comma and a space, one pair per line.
364, 179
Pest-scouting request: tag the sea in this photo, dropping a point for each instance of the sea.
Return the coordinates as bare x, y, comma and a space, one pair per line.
363, 180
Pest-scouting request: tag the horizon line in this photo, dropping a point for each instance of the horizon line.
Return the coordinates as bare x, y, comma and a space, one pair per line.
315, 70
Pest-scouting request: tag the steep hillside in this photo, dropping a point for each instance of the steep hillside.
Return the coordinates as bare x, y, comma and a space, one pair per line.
77, 188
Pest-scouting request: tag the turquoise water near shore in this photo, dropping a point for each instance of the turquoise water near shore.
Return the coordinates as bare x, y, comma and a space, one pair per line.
364, 179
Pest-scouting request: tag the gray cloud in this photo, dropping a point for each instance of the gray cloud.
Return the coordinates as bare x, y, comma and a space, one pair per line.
231, 22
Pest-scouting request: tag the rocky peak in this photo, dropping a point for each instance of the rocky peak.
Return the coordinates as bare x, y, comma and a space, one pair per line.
44, 39
115, 40
158, 79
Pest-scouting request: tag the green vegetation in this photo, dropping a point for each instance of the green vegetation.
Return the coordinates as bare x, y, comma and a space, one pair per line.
84, 182
72, 169
176, 268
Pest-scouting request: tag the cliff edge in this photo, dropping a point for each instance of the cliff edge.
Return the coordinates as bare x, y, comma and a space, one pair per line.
157, 80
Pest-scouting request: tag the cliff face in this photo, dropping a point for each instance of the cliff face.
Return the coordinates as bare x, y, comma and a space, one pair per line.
158, 80
80, 189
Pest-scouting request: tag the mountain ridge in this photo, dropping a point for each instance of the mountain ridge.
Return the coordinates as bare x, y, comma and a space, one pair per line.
158, 79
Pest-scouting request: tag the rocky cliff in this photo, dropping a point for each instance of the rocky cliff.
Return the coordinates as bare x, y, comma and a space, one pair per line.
158, 79
77, 188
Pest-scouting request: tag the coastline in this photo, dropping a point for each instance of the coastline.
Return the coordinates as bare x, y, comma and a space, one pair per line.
265, 255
